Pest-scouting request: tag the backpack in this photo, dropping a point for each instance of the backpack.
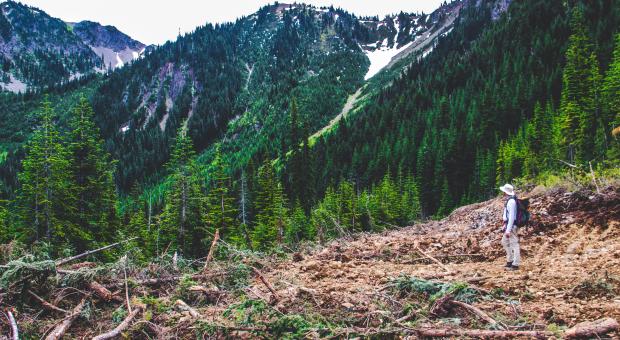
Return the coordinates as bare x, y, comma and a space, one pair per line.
523, 214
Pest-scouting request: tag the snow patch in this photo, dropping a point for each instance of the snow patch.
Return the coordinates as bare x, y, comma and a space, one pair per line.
381, 57
115, 59
119, 61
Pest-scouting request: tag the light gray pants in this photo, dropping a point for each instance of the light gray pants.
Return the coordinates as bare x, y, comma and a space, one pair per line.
511, 246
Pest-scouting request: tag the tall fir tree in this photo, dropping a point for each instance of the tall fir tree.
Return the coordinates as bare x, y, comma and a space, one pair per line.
92, 172
611, 99
221, 208
47, 201
579, 92
181, 223
271, 210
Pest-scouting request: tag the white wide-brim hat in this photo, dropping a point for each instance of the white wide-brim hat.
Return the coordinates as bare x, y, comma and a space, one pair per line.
507, 188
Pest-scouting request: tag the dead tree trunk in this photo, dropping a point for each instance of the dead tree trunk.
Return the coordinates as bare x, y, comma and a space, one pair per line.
592, 328
14, 329
60, 330
121, 327
216, 237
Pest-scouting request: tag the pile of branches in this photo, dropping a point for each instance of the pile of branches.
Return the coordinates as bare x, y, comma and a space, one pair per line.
47, 298
51, 299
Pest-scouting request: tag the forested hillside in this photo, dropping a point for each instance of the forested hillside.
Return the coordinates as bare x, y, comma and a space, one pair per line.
493, 101
243, 148
211, 132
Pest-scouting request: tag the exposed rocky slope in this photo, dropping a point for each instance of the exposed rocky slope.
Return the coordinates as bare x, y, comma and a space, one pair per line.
37, 50
437, 278
114, 46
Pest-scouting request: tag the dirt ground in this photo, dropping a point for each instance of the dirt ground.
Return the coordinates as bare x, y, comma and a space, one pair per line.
570, 269
356, 286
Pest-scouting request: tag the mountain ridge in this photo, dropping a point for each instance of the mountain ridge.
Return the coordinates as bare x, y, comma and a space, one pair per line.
39, 51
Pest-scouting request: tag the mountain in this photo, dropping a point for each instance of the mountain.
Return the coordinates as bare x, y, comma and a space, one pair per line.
447, 119
434, 97
115, 47
37, 50
234, 82
316, 135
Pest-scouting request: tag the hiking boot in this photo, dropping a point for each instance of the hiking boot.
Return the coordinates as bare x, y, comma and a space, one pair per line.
512, 268
508, 264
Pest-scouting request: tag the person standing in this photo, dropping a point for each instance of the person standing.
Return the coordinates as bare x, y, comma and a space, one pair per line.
510, 239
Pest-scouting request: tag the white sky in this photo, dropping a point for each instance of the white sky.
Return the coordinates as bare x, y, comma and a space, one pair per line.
155, 21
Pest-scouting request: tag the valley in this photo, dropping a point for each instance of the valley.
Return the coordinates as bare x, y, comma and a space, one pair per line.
306, 172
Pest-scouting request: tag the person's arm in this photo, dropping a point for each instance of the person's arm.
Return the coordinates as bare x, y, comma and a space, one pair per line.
512, 214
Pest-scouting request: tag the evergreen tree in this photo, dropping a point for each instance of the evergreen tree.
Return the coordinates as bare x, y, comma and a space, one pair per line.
181, 219
611, 100
271, 210
579, 92
538, 140
92, 173
446, 204
299, 227
221, 210
46, 198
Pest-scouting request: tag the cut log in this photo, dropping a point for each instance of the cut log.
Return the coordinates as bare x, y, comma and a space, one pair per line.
441, 306
480, 333
266, 283
121, 327
90, 252
14, 329
216, 237
433, 259
101, 291
162, 280
45, 303
210, 293
181, 305
582, 330
592, 328
60, 330
482, 315
414, 261
405, 318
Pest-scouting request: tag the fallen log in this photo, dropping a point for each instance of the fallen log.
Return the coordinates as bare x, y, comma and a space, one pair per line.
266, 283
14, 329
102, 292
433, 259
418, 260
216, 237
210, 293
582, 330
90, 252
121, 327
162, 280
441, 306
45, 303
592, 328
482, 315
182, 306
60, 330
480, 333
